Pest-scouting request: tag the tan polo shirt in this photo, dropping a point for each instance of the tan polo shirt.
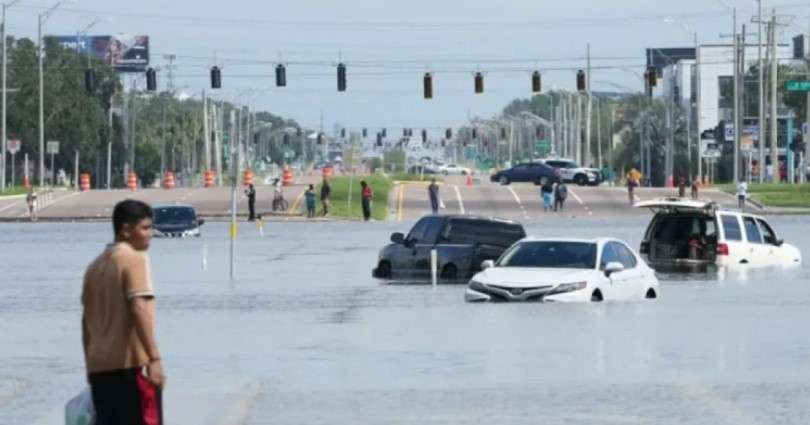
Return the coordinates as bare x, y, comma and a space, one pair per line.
114, 278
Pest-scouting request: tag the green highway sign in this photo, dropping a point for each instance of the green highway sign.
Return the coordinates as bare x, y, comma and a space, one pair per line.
543, 147
797, 85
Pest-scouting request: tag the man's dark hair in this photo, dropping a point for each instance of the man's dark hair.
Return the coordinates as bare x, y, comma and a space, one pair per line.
130, 211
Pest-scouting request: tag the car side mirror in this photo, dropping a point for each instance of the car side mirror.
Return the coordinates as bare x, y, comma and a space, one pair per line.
780, 242
398, 238
613, 267
486, 264
200, 222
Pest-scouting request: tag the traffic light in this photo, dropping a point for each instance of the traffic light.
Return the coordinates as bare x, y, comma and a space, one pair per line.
428, 85
424, 136
448, 134
503, 133
474, 133
404, 132
720, 132
281, 76
90, 79
536, 82
365, 133
151, 79
479, 83
286, 139
652, 77
342, 133
384, 133
298, 132
341, 77
379, 139
581, 83
216, 78
320, 139
443, 143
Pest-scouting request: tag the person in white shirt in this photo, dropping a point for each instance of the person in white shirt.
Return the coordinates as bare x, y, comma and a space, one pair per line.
742, 193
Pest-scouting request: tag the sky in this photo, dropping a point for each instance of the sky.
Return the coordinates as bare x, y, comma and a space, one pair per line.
387, 47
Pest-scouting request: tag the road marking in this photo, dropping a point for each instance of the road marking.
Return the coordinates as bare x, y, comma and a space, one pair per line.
296, 204
574, 194
13, 204
400, 201
460, 202
520, 204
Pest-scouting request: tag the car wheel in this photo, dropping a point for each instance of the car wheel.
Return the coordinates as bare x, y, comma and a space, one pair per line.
449, 272
581, 179
444, 172
651, 294
504, 180
384, 270
597, 296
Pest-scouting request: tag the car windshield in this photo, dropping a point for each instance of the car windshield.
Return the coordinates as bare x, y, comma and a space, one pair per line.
174, 215
551, 254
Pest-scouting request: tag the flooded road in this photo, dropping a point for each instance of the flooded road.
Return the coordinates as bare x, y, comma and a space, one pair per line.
306, 336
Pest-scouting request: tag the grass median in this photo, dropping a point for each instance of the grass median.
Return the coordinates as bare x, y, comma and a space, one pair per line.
342, 207
15, 190
776, 194
403, 177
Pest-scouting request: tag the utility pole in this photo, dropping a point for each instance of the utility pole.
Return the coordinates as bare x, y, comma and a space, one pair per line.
774, 117
4, 137
803, 162
761, 98
598, 137
588, 108
697, 110
206, 134
736, 168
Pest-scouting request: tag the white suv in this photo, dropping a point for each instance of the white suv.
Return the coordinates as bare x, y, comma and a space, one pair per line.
454, 169
570, 172
696, 236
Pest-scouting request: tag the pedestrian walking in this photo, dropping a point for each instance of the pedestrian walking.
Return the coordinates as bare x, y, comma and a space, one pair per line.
742, 193
366, 195
547, 192
633, 180
695, 188
433, 194
326, 196
122, 359
309, 197
250, 192
681, 187
31, 200
560, 195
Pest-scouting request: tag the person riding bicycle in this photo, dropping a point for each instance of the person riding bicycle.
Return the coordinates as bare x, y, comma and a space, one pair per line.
633, 180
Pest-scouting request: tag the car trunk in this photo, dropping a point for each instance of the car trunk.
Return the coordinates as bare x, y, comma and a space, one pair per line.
682, 240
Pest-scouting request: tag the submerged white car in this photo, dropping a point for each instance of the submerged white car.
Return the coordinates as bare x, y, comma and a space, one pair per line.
565, 270
686, 235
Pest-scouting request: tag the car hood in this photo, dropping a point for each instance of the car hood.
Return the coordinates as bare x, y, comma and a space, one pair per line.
175, 227
519, 277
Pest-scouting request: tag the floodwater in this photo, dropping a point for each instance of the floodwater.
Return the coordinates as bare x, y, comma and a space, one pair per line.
305, 336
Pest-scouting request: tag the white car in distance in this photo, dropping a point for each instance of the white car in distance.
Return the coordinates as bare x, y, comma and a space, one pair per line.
448, 169
564, 270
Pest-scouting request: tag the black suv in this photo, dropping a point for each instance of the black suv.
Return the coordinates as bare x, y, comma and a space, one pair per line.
532, 172
462, 242
176, 221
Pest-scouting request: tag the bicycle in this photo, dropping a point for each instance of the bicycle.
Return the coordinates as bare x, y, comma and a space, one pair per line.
280, 204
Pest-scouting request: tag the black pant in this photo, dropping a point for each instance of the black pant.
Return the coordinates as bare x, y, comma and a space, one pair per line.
252, 209
558, 203
125, 397
366, 209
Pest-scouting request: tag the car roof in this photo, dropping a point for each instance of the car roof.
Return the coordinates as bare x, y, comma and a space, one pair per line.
476, 218
598, 241
175, 205
674, 205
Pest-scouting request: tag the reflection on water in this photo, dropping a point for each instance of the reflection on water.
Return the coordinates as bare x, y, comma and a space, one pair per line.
306, 336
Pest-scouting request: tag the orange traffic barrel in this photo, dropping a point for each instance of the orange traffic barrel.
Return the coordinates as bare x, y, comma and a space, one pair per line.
168, 180
247, 177
327, 171
26, 182
132, 181
84, 182
209, 178
287, 177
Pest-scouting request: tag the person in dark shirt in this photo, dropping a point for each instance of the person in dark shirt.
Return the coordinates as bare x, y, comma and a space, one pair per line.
366, 195
326, 196
251, 195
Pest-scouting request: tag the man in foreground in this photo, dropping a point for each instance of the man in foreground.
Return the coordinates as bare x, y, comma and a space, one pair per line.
118, 324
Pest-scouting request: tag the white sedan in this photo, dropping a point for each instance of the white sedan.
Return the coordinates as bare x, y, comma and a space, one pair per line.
454, 169
565, 270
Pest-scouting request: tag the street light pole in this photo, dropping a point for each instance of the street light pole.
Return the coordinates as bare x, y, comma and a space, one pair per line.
42, 19
4, 135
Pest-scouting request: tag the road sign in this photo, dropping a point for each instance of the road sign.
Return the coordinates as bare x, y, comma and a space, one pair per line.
52, 147
797, 85
543, 147
709, 149
13, 146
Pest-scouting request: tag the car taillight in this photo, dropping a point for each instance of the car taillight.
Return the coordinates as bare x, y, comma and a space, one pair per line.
722, 249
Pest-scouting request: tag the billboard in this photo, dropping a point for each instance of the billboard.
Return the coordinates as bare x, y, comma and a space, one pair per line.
125, 53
